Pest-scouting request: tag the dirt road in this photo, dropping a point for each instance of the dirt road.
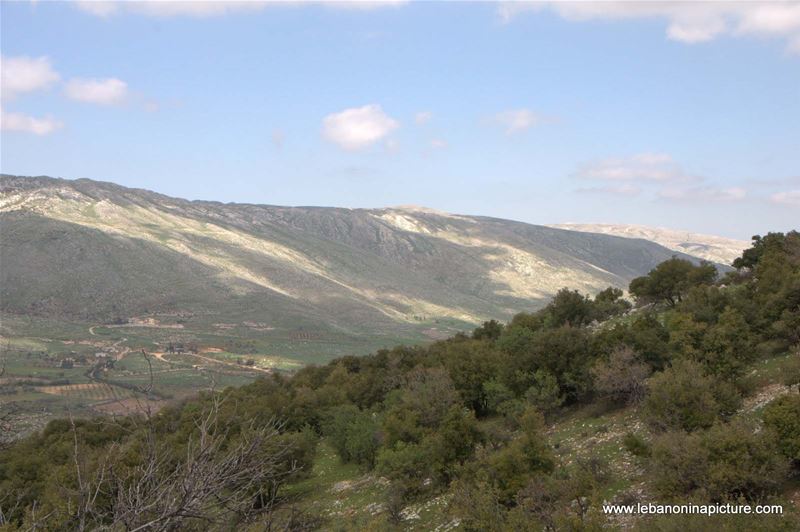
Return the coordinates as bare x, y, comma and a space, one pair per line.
160, 356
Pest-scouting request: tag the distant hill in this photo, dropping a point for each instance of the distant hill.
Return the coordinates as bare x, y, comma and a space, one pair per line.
92, 251
714, 248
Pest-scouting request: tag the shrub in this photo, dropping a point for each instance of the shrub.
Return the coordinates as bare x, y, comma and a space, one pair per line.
683, 397
621, 377
782, 419
717, 464
636, 445
545, 393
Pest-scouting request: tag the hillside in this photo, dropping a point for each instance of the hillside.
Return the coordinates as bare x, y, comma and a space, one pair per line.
574, 417
714, 248
90, 251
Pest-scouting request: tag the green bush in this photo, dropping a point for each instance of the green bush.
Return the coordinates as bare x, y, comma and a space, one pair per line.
782, 418
635, 444
716, 464
683, 397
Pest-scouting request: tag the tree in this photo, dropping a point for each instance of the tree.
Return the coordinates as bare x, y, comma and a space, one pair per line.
728, 346
545, 394
470, 364
429, 392
496, 394
352, 433
609, 303
515, 340
564, 353
684, 397
569, 307
477, 506
510, 467
645, 335
670, 280
180, 470
728, 460
761, 245
782, 419
621, 377
490, 330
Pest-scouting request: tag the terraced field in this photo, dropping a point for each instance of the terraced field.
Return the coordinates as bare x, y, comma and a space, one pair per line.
90, 392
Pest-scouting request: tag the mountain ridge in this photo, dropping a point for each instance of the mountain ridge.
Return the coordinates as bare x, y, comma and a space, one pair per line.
710, 247
393, 269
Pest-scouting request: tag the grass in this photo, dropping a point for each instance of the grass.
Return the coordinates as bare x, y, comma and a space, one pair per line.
336, 490
772, 369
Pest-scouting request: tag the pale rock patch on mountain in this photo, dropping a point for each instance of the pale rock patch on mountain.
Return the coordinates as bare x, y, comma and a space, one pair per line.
709, 247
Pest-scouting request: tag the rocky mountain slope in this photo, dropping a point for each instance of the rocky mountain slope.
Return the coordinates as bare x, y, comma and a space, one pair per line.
91, 251
714, 248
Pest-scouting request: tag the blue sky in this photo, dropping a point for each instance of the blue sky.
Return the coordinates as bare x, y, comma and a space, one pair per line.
670, 115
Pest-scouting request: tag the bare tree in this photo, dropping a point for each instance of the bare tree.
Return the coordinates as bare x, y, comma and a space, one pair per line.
224, 477
622, 376
222, 474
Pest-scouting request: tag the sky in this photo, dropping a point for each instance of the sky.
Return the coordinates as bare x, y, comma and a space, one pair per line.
676, 115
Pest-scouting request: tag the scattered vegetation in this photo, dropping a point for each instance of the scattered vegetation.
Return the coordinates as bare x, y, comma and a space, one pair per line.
533, 424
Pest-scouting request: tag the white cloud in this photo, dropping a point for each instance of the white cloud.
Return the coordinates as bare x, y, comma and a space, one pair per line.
656, 173
790, 197
211, 8
109, 91
438, 144
691, 32
770, 18
98, 8
687, 22
704, 194
164, 9
617, 190
517, 120
364, 5
359, 127
423, 117
643, 167
28, 124
22, 74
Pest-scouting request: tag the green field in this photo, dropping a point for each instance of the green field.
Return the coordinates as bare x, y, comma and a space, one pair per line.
230, 354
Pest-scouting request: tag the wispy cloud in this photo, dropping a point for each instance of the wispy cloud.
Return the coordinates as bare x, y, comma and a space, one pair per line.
438, 144
422, 117
163, 9
702, 194
109, 91
642, 167
28, 124
213, 8
687, 22
789, 197
616, 190
19, 75
656, 174
359, 127
517, 120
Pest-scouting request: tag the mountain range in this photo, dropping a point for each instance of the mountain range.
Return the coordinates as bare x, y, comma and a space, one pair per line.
709, 247
89, 251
